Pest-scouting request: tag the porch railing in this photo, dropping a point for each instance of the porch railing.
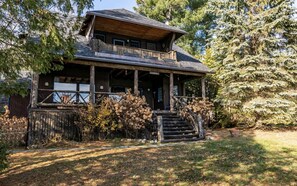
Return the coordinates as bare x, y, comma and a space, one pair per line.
48, 97
180, 103
103, 47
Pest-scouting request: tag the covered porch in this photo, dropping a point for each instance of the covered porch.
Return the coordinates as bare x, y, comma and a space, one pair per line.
86, 82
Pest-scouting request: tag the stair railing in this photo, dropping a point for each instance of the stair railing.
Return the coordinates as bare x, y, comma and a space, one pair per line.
193, 118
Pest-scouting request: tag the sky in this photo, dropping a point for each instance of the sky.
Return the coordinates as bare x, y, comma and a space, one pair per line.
113, 4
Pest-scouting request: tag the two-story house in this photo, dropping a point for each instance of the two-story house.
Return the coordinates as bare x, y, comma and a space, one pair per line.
120, 50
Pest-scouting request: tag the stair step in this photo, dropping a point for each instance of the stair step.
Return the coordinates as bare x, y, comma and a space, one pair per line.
179, 140
180, 136
174, 122
177, 128
179, 132
176, 125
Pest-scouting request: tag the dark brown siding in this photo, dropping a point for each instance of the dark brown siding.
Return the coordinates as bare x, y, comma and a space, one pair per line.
18, 105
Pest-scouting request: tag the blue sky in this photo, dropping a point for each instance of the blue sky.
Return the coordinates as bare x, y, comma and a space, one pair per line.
127, 4
112, 4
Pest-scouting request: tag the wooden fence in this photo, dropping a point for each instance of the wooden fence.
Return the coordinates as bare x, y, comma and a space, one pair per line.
45, 124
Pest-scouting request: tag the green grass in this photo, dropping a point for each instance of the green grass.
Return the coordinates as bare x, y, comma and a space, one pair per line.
256, 158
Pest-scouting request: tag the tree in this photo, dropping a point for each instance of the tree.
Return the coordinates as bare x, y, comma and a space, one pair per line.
190, 15
36, 33
254, 45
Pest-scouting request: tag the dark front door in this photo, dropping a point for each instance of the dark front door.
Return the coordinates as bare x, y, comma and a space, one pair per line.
158, 96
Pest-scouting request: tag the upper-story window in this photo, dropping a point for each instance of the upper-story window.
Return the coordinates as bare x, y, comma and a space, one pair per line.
134, 43
99, 35
119, 42
151, 46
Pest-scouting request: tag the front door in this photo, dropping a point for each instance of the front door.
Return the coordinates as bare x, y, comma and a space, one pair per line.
158, 97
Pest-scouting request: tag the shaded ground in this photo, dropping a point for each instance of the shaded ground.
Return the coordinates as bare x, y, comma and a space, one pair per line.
252, 158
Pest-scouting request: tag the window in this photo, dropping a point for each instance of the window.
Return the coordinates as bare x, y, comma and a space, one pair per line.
175, 90
99, 35
119, 42
160, 94
66, 88
4, 100
134, 43
151, 46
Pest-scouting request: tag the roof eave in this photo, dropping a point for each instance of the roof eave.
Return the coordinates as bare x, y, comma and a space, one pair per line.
134, 22
119, 61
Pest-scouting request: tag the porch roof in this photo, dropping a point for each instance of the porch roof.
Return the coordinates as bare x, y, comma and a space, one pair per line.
185, 62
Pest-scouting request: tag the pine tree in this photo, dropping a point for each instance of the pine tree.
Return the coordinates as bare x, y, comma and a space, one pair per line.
254, 45
190, 15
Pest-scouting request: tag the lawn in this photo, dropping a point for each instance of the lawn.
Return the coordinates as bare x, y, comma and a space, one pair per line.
253, 158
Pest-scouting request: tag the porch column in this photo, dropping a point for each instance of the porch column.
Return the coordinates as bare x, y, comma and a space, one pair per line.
34, 90
92, 85
136, 92
171, 93
203, 88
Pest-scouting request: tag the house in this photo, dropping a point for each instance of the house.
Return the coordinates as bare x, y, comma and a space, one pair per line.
119, 50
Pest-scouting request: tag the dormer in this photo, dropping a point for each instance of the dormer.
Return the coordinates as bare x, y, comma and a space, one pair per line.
118, 28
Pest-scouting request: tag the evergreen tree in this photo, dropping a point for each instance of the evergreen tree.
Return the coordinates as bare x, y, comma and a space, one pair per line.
190, 15
254, 45
34, 33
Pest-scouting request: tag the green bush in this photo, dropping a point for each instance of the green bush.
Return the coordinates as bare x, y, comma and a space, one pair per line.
3, 157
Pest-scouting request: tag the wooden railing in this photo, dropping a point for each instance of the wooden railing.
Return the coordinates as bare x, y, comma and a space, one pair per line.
48, 97
99, 46
180, 103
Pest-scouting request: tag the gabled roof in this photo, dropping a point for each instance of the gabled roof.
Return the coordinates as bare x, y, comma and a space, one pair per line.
132, 17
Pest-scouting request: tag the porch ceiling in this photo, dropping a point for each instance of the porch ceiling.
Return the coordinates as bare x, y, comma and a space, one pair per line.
130, 29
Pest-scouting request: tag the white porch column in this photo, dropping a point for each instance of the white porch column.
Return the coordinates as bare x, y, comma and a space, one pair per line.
92, 85
171, 93
34, 90
203, 88
136, 92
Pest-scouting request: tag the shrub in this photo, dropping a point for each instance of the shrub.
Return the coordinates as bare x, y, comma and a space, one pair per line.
102, 117
133, 113
203, 107
3, 157
13, 129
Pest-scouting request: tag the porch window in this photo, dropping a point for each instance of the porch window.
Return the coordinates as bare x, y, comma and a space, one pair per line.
66, 90
175, 90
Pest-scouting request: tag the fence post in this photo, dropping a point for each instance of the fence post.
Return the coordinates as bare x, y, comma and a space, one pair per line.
200, 126
160, 128
29, 130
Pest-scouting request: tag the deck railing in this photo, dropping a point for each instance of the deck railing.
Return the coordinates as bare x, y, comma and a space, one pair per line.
66, 98
102, 47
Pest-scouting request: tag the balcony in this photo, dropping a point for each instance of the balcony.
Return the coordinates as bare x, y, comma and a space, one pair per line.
108, 50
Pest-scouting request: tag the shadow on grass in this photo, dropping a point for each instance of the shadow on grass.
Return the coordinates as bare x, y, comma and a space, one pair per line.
240, 161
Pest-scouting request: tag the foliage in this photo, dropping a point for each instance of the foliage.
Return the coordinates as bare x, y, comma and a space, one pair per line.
254, 46
133, 112
14, 87
3, 157
190, 15
103, 117
204, 108
35, 33
14, 130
